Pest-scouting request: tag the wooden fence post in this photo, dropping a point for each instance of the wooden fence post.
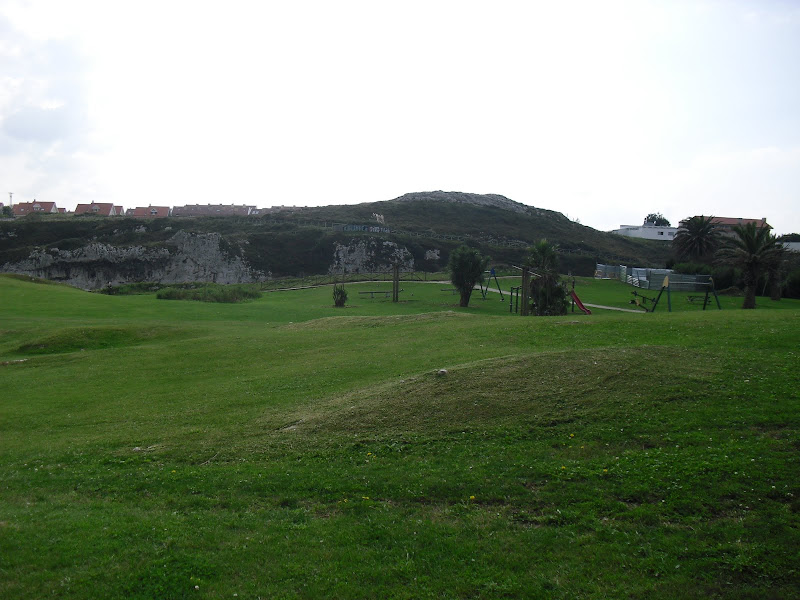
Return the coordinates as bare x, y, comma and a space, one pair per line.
395, 282
526, 291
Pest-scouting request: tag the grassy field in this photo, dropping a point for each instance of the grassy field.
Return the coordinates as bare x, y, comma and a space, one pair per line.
283, 448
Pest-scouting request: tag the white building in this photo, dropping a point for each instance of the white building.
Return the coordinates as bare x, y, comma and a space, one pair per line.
792, 246
647, 232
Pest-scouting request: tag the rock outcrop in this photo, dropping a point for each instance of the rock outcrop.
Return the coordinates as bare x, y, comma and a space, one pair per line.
184, 257
495, 200
370, 255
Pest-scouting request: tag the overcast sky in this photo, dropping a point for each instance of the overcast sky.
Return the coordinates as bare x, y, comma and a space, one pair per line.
602, 110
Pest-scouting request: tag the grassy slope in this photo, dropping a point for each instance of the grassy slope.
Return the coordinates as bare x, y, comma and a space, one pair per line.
284, 448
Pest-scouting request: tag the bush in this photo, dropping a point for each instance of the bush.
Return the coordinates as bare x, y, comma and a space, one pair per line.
791, 289
130, 289
210, 293
339, 295
692, 268
548, 294
726, 276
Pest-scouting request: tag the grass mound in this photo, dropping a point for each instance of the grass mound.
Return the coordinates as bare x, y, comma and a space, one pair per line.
536, 390
91, 338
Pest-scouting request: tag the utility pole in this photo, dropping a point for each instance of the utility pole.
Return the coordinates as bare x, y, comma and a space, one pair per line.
11, 199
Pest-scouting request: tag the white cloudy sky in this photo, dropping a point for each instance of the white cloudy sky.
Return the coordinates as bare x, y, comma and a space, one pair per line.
603, 110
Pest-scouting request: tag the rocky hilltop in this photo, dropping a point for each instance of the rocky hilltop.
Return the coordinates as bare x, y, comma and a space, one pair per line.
495, 200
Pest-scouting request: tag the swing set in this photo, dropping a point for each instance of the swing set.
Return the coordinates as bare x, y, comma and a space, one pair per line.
641, 300
485, 289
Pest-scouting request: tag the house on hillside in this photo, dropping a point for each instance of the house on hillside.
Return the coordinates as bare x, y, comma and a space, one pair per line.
212, 210
647, 232
149, 211
725, 225
102, 209
20, 209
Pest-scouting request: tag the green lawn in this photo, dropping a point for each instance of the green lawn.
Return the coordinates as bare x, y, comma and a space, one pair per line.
283, 448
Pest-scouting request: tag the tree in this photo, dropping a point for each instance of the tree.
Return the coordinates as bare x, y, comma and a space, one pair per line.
466, 268
755, 251
548, 295
656, 219
697, 238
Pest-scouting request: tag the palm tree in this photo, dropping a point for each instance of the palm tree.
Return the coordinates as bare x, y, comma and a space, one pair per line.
754, 250
548, 295
697, 238
466, 266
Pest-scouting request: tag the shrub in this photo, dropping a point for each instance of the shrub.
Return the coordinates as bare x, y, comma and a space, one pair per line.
339, 295
791, 289
548, 295
210, 293
726, 276
692, 268
129, 289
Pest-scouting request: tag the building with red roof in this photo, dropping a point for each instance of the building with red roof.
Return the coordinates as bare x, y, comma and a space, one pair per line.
102, 209
149, 211
20, 209
725, 225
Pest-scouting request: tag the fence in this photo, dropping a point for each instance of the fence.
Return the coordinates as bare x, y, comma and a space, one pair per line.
653, 279
283, 283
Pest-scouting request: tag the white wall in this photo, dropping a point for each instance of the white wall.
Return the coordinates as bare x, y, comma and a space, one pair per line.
648, 232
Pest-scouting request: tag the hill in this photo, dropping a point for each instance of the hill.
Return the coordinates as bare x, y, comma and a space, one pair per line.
418, 229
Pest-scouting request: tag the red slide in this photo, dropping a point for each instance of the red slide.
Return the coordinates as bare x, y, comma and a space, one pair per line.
579, 303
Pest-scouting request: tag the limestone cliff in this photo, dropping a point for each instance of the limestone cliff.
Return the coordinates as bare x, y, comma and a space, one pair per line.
184, 257
370, 255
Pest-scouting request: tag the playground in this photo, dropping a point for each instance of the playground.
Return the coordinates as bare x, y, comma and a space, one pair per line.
503, 296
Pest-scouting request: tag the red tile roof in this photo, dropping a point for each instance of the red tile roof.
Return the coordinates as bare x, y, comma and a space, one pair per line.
96, 208
149, 211
21, 209
730, 222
